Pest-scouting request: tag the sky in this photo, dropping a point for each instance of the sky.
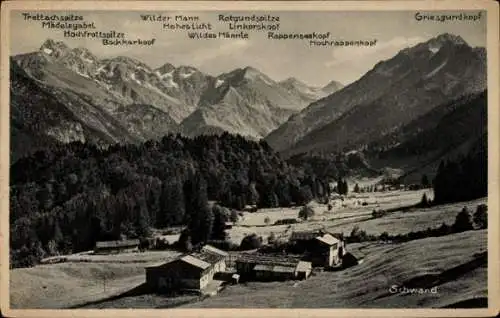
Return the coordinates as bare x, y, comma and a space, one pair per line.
279, 59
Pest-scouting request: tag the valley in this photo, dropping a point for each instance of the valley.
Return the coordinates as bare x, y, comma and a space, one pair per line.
118, 166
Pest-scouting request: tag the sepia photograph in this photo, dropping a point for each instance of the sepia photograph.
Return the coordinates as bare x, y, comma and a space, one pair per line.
258, 155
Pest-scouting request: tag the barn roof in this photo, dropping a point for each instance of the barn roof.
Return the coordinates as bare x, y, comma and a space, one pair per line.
328, 239
111, 244
195, 261
275, 268
210, 249
266, 260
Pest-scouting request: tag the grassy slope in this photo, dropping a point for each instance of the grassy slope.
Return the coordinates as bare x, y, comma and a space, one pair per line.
67, 284
367, 284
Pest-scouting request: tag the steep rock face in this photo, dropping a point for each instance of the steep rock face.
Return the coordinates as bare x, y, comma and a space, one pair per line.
387, 97
38, 118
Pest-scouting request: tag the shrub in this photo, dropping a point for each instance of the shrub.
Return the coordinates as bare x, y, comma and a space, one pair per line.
481, 216
378, 213
271, 239
384, 236
234, 216
267, 220
251, 242
285, 221
358, 235
444, 229
462, 221
306, 212
162, 244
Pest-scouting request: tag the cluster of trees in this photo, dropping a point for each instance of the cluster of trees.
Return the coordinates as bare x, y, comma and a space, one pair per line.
67, 197
374, 188
464, 221
463, 179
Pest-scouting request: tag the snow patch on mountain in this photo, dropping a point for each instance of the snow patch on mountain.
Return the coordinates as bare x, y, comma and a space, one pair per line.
218, 83
81, 74
47, 51
132, 77
437, 69
169, 82
187, 74
434, 49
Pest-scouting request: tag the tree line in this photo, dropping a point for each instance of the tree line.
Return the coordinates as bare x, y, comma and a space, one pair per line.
65, 198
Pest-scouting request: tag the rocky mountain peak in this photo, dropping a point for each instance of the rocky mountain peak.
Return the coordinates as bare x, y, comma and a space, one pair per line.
250, 72
449, 38
332, 87
53, 48
165, 68
291, 81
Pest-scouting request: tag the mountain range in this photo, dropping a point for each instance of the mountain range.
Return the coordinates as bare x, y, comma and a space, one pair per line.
389, 96
410, 111
121, 99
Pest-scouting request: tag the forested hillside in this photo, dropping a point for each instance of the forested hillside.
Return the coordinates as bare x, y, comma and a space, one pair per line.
66, 197
465, 178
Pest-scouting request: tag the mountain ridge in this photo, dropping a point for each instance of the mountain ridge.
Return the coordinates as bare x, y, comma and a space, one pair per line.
116, 86
389, 95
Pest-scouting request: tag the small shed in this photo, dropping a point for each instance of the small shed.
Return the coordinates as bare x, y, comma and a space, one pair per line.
303, 270
108, 247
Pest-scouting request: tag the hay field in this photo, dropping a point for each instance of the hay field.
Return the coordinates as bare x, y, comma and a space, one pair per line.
344, 218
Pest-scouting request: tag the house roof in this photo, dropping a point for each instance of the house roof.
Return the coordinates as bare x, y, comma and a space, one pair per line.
328, 239
202, 260
274, 268
195, 261
207, 257
303, 266
110, 244
210, 249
